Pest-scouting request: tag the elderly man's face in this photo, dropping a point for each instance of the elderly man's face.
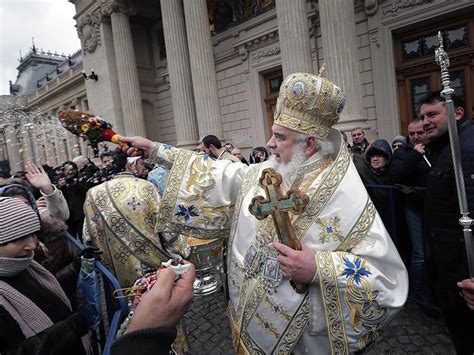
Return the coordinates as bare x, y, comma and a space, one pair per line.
358, 136
416, 133
282, 143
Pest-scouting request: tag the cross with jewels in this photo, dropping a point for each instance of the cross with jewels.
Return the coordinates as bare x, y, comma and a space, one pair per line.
277, 205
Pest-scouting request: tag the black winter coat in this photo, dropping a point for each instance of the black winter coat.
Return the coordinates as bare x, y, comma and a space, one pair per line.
63, 337
409, 168
151, 341
379, 196
360, 149
442, 207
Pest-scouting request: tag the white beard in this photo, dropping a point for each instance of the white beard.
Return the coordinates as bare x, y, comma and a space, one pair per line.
288, 170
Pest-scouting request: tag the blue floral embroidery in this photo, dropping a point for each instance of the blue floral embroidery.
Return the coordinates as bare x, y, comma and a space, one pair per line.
166, 146
187, 213
355, 270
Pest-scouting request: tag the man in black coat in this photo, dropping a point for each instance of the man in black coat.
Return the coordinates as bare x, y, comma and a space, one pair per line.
359, 143
410, 168
442, 216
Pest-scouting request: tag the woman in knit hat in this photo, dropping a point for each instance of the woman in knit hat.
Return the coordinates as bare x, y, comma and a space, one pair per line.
397, 142
35, 314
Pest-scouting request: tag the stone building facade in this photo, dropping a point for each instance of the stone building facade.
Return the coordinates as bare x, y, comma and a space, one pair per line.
177, 70
29, 130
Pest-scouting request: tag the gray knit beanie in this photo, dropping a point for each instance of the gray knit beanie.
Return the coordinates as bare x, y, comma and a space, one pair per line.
17, 219
398, 139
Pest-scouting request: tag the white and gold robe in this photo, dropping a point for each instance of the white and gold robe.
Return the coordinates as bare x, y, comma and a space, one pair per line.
120, 219
360, 281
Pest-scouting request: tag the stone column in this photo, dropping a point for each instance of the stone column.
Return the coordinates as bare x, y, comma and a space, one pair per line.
71, 145
60, 143
293, 31
49, 149
130, 95
28, 144
179, 70
14, 149
203, 68
338, 33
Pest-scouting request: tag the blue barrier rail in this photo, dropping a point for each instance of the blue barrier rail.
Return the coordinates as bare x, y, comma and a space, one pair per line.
116, 308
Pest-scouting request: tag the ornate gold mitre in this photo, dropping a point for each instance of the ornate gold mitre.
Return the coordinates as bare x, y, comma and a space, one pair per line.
309, 104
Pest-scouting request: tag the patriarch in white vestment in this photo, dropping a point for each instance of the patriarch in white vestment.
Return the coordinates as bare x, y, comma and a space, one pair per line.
357, 280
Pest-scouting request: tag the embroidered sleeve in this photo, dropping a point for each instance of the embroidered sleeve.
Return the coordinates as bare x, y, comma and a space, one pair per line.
164, 154
356, 298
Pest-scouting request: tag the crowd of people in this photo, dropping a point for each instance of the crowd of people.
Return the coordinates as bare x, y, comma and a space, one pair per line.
138, 207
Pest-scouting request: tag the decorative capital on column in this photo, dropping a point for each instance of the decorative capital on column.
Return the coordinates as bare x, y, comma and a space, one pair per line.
371, 7
108, 7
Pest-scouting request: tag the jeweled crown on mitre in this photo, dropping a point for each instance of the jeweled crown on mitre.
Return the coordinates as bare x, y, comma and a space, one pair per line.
309, 104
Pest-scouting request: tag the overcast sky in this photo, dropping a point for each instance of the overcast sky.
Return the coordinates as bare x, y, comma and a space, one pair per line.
51, 24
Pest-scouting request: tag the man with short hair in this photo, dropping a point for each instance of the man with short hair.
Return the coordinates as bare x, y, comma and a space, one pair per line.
410, 169
236, 152
355, 278
211, 145
442, 216
359, 142
106, 158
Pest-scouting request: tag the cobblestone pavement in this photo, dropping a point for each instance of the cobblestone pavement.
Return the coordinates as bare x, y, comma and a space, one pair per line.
411, 332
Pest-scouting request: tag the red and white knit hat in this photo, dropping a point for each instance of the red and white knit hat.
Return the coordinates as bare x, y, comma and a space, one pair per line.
17, 219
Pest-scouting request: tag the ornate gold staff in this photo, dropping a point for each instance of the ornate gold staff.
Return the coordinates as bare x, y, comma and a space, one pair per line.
442, 60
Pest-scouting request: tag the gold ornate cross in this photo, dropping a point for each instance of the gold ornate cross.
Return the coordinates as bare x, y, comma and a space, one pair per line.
278, 207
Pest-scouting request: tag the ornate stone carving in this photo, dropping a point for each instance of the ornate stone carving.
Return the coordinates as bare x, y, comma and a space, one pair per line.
88, 30
261, 39
108, 7
402, 4
371, 7
259, 56
243, 52
242, 48
227, 53
88, 25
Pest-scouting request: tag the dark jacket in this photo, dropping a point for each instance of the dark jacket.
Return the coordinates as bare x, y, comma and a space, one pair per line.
88, 171
409, 168
441, 203
154, 341
360, 149
63, 337
75, 194
370, 176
